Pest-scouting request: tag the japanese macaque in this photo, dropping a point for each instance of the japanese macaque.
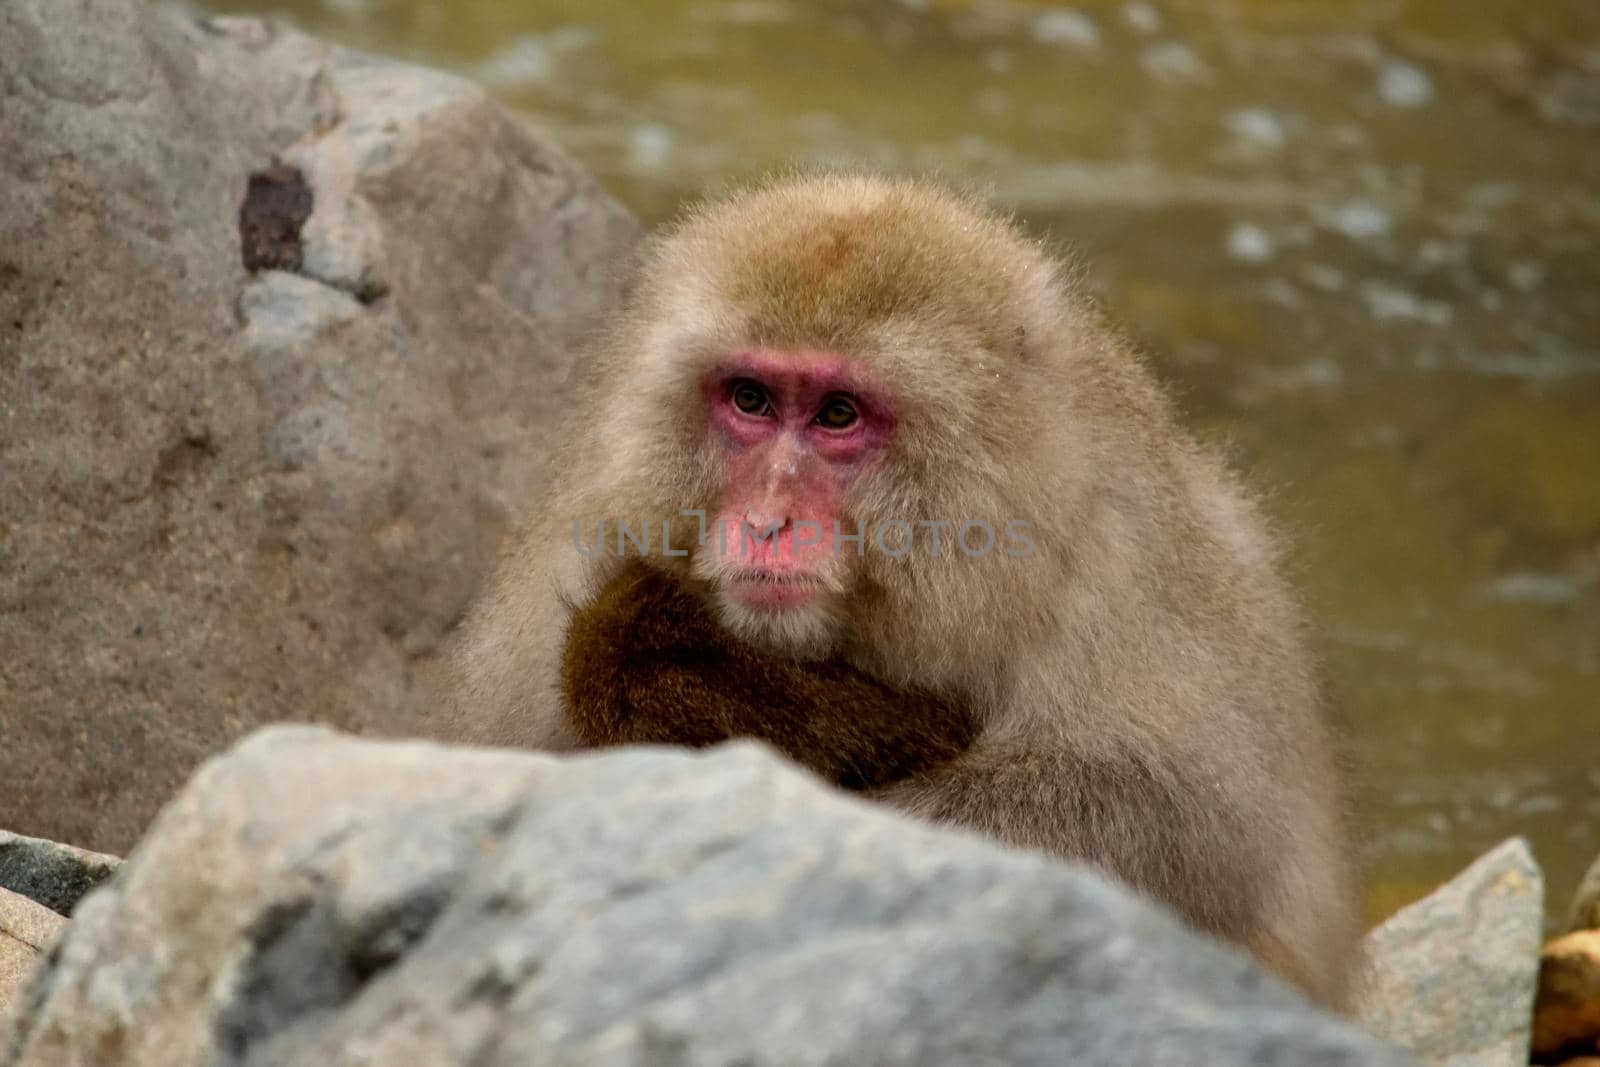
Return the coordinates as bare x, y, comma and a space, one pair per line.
872, 428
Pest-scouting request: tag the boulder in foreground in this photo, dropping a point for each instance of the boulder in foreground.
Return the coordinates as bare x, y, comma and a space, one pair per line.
311, 898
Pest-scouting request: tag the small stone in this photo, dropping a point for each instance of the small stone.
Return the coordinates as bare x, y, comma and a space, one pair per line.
1250, 244
50, 873
535, 58
1403, 85
1452, 977
1065, 27
1323, 277
1566, 1015
1526, 276
1390, 302
1258, 126
1172, 60
1526, 587
1570, 98
649, 144
1142, 17
522, 62
1360, 219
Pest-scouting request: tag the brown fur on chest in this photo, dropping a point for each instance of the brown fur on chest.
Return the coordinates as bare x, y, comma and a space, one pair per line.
647, 663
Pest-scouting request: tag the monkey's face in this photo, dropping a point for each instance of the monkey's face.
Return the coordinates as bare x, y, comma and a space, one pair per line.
794, 433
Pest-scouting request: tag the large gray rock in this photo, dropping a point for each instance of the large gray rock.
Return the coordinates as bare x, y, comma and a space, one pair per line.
232, 496
52, 874
1453, 976
313, 899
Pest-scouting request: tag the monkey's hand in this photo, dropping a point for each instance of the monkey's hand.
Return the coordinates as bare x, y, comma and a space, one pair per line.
646, 663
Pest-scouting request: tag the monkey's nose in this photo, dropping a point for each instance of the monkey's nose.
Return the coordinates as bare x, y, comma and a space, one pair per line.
775, 521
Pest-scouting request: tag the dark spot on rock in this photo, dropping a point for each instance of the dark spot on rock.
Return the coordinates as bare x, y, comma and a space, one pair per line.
306, 960
388, 935
181, 458
277, 203
110, 1045
371, 290
288, 975
493, 988
12, 304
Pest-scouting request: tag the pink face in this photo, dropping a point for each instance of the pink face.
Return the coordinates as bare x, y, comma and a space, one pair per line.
796, 430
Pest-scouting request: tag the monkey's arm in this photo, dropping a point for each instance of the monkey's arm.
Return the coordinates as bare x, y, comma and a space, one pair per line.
645, 663
1163, 827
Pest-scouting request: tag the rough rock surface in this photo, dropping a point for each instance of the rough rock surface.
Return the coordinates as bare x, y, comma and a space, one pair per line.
233, 497
26, 930
51, 873
1566, 1016
1453, 975
311, 898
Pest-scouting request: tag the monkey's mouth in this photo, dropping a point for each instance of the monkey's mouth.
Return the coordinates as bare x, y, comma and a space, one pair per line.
771, 589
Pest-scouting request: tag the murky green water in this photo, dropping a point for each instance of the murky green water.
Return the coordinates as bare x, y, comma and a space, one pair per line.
1361, 239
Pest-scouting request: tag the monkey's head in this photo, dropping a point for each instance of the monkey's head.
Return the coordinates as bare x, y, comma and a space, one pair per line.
842, 373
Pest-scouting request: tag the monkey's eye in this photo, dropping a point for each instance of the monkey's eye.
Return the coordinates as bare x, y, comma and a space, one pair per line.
837, 413
750, 398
